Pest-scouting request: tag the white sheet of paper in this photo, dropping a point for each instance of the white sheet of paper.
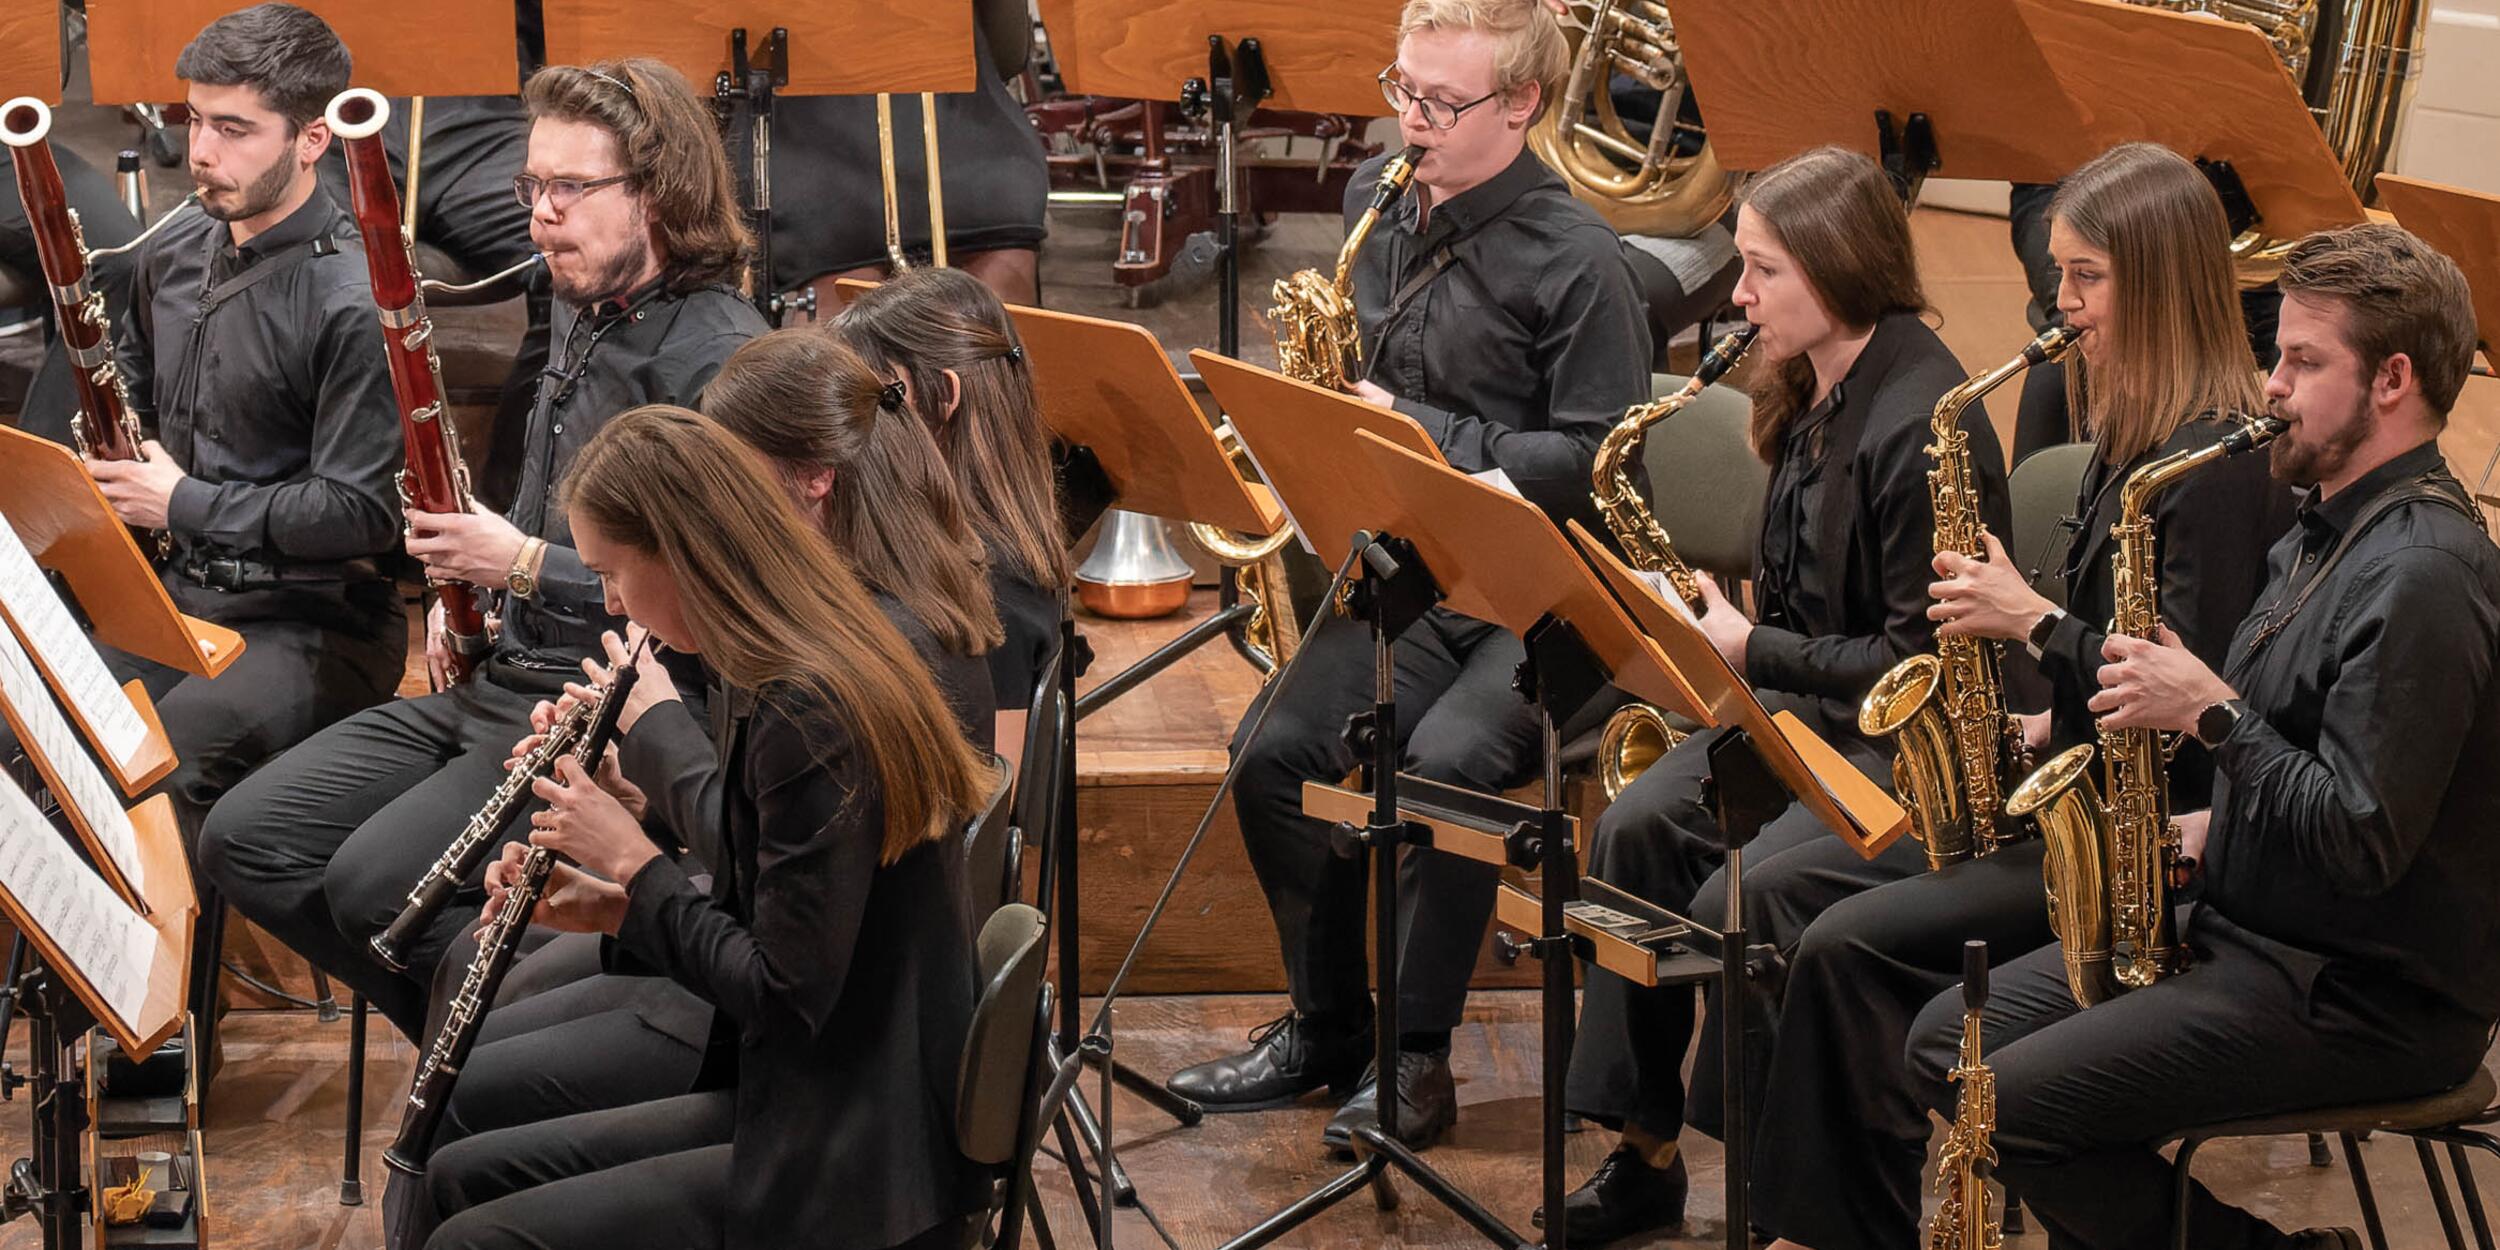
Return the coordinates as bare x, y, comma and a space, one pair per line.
53, 634
91, 798
1666, 592
1498, 480
102, 938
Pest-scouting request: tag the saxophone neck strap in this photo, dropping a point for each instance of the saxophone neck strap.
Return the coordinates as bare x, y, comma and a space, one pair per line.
2437, 487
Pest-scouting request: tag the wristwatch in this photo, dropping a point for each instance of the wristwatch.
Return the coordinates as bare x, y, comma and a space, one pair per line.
522, 578
2217, 721
2041, 629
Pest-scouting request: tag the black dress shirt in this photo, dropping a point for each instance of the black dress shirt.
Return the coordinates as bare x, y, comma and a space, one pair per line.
264, 370
1030, 614
1848, 531
2211, 531
844, 988
2354, 816
653, 347
1520, 338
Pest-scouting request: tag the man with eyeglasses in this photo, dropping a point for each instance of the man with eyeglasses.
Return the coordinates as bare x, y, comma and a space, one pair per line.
1498, 312
633, 207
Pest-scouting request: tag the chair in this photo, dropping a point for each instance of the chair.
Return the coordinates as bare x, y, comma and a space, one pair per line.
992, 848
1705, 483
2043, 487
1038, 773
2452, 1117
1000, 1079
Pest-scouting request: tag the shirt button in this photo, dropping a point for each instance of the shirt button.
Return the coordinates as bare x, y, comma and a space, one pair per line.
559, 427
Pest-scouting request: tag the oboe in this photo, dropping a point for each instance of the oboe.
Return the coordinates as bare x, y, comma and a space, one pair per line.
584, 732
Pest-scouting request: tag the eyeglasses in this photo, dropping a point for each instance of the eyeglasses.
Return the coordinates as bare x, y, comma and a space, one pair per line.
562, 193
1438, 114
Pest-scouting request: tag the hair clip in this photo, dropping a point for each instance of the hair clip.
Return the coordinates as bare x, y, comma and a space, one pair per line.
891, 397
614, 81
1014, 353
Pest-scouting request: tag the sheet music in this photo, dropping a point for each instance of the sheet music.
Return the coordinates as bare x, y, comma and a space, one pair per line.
1666, 592
66, 650
92, 800
1498, 480
102, 938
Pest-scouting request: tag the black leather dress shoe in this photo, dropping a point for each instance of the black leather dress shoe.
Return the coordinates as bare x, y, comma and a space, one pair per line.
1427, 1104
1623, 1197
2325, 1239
1289, 1056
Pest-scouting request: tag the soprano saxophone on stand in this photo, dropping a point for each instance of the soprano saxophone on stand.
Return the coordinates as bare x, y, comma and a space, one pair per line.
1954, 741
2110, 859
1638, 733
1968, 1218
435, 480
500, 942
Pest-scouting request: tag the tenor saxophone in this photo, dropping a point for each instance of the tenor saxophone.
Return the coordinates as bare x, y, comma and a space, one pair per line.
2110, 859
1968, 1217
1954, 743
1638, 733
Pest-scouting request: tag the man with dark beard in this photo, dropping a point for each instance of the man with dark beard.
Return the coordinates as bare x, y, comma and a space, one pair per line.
2339, 950
632, 204
249, 349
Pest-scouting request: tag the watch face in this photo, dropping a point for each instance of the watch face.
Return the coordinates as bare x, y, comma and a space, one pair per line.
2214, 724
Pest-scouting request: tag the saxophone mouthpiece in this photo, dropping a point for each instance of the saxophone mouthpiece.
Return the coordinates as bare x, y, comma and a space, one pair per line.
1724, 354
1395, 176
2254, 435
2052, 343
1974, 975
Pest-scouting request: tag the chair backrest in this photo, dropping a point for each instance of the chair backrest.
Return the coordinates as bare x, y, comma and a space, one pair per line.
1007, 26
1036, 803
990, 846
995, 1084
2043, 488
1705, 483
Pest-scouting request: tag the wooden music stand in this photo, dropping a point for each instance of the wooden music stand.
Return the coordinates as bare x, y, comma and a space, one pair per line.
1145, 49
1777, 79
67, 659
171, 908
837, 49
73, 779
2465, 225
2206, 89
30, 50
1108, 386
440, 47
57, 509
1272, 413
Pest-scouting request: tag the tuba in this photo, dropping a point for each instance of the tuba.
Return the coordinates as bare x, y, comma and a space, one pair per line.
1968, 1218
1640, 185
1318, 341
2110, 859
1953, 740
1638, 733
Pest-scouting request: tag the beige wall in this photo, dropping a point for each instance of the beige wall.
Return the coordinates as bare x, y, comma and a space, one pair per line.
2451, 133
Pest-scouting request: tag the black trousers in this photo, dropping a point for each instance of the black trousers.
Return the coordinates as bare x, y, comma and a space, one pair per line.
654, 1174
321, 847
1660, 840
1459, 722
1841, 1137
2085, 1098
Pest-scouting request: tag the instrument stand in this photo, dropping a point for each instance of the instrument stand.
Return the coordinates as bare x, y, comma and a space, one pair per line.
746, 89
51, 1186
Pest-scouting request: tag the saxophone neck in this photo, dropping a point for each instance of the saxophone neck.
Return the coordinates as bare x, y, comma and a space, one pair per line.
2052, 343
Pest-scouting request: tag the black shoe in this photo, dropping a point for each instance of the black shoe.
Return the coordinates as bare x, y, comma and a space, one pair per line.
1623, 1197
2324, 1239
1427, 1104
1289, 1056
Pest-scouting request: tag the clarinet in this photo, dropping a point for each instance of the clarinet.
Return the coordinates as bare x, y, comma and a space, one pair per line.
435, 479
497, 946
584, 733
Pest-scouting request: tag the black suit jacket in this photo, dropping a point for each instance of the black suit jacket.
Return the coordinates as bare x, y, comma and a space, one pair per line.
844, 988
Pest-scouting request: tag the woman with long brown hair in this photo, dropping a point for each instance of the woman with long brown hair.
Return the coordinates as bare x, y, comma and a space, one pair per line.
946, 338
832, 941
1846, 377
2163, 366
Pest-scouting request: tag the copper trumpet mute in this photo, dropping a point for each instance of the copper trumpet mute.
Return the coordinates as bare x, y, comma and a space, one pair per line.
1134, 572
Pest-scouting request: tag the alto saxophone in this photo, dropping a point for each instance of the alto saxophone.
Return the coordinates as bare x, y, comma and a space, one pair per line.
2110, 860
1968, 1218
1638, 733
1319, 341
1954, 741
582, 732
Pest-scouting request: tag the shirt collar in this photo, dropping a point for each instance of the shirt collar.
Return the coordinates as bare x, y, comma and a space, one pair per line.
1875, 359
609, 309
310, 219
1486, 200
2336, 515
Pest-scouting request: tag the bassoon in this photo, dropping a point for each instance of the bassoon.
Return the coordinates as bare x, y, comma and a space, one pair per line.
434, 479
104, 427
